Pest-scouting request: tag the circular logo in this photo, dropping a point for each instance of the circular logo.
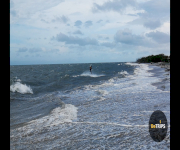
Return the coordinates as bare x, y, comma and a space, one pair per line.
158, 126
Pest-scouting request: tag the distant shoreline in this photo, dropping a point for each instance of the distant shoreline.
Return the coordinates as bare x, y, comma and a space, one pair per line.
165, 65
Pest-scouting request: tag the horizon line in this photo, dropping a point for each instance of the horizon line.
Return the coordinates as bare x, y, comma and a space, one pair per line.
72, 63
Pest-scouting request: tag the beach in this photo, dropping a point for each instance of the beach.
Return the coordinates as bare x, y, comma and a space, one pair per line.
64, 106
165, 65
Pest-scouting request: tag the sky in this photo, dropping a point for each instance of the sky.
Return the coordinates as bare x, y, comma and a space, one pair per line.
87, 31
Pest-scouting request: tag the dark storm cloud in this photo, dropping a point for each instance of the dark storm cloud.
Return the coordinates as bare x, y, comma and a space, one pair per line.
74, 40
62, 19
152, 24
88, 23
159, 37
78, 23
115, 5
77, 32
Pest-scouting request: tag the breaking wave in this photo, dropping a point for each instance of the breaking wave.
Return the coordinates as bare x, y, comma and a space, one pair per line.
88, 74
20, 88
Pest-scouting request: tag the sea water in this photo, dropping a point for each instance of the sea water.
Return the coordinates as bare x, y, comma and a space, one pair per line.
65, 106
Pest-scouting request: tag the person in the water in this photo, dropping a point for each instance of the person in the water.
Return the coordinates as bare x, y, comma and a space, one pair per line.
90, 69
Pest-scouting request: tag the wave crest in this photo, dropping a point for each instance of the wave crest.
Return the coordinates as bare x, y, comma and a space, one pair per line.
123, 73
20, 88
86, 73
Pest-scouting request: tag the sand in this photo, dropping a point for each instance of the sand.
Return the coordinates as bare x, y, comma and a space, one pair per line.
165, 65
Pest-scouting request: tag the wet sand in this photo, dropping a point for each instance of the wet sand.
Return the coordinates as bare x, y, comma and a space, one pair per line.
165, 65
165, 77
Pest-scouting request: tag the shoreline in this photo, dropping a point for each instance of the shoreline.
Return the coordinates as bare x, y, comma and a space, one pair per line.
165, 81
165, 65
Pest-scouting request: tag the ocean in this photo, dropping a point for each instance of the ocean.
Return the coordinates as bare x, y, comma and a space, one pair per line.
64, 106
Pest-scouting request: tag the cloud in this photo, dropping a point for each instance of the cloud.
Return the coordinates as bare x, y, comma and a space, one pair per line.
44, 21
62, 19
115, 5
34, 50
88, 23
108, 44
24, 49
159, 8
155, 13
74, 40
159, 37
78, 23
28, 38
52, 51
126, 37
37, 50
77, 32
76, 13
11, 4
31, 50
30, 8
99, 21
102, 37
131, 14
13, 13
152, 24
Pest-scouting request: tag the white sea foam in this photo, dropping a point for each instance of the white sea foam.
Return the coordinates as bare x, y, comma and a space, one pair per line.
66, 75
75, 76
58, 115
132, 64
20, 88
123, 72
117, 104
88, 74
103, 92
18, 80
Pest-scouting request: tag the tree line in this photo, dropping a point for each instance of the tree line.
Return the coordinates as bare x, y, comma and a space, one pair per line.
153, 58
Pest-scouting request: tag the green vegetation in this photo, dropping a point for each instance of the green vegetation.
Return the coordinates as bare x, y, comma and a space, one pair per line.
153, 58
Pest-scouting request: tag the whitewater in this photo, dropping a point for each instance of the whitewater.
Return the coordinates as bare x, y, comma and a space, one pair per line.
67, 107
